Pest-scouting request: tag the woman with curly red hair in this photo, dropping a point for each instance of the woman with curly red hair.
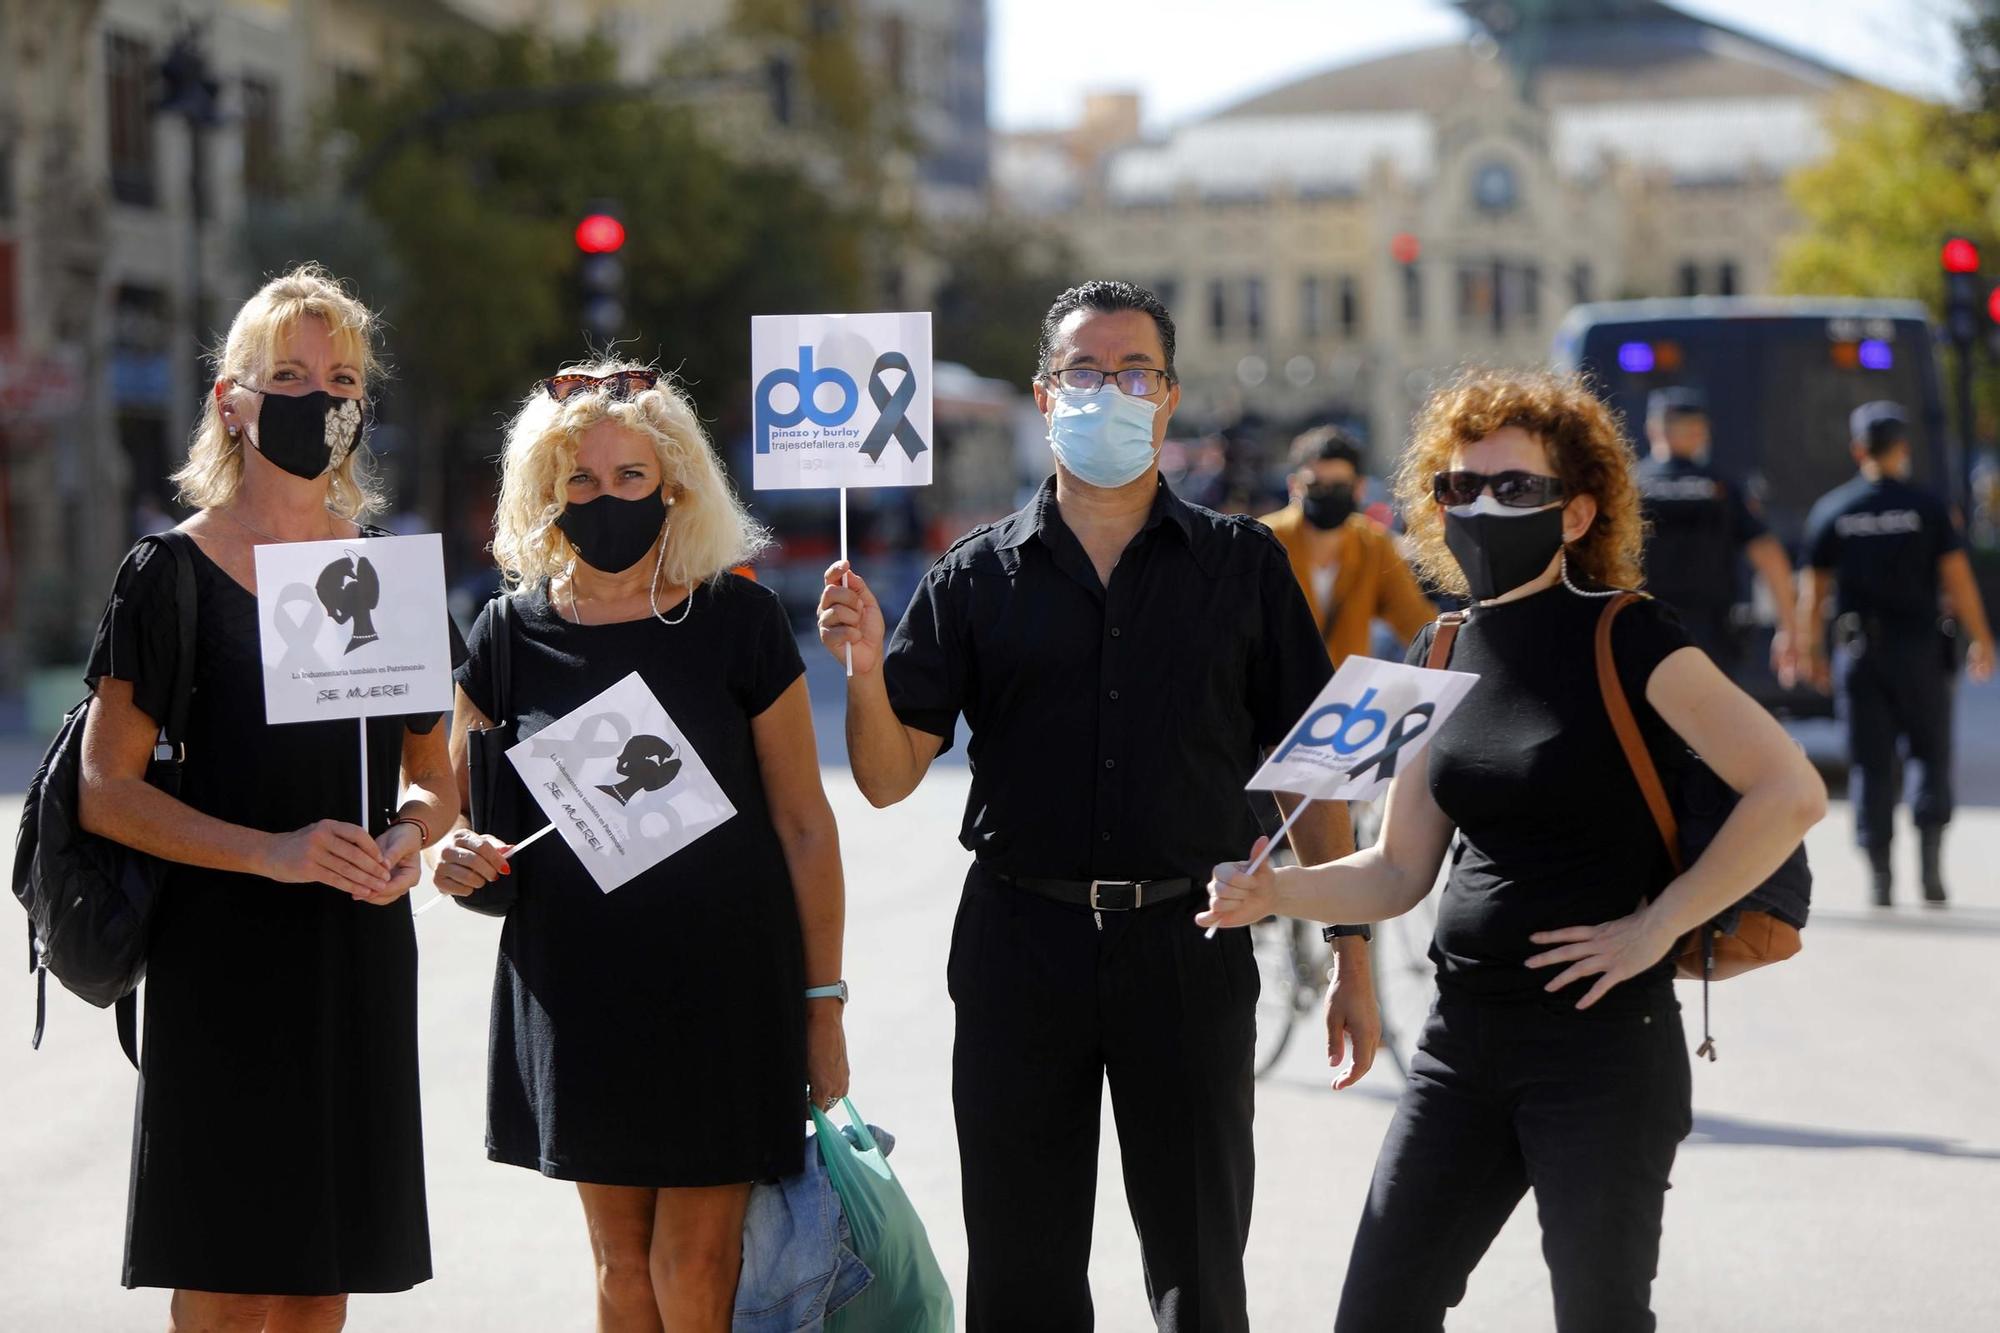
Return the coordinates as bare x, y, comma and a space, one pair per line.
1554, 1058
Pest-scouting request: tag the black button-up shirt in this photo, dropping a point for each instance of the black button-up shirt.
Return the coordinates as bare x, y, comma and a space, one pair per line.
1112, 728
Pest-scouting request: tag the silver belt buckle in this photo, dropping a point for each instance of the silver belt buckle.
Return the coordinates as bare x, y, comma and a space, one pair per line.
1138, 894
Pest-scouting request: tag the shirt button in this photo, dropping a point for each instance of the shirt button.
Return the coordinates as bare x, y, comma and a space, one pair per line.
1111, 763
1104, 836
1114, 631
1114, 694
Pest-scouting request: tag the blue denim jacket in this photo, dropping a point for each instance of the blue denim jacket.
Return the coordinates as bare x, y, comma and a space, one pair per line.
798, 1262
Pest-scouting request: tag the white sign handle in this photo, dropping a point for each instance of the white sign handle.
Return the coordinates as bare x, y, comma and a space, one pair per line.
843, 572
1284, 831
362, 724
530, 840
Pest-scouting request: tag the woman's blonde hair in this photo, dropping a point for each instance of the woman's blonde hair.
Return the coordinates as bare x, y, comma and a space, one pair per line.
709, 532
1585, 449
214, 468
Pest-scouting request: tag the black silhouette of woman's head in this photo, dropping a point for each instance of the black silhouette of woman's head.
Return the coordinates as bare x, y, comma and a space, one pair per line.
349, 590
647, 763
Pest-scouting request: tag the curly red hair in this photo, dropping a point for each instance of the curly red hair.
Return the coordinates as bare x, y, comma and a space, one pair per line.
1585, 448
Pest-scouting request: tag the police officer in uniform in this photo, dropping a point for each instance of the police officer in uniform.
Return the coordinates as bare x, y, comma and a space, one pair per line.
1699, 522
1887, 550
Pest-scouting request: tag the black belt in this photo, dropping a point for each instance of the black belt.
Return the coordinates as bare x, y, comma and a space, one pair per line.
1101, 895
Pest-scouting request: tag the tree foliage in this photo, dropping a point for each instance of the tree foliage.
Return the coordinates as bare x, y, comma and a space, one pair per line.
476, 210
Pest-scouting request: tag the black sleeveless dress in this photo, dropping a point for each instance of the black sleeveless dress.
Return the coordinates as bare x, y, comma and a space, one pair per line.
278, 1148
653, 1035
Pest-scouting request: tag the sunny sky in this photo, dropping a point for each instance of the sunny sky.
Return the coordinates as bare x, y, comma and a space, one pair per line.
1189, 56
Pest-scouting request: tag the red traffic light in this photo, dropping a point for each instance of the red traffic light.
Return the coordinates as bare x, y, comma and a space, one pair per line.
1959, 256
600, 234
1403, 248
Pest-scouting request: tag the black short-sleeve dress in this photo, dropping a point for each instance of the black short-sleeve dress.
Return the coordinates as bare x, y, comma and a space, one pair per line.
278, 1147
653, 1035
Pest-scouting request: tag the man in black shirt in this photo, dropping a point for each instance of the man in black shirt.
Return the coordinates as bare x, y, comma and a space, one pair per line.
1122, 658
1699, 522
1890, 549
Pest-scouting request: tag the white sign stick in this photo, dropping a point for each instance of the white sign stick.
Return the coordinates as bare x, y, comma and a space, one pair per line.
843, 572
361, 725
529, 841
1284, 832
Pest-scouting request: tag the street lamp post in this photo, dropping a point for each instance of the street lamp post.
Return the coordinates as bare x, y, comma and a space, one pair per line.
189, 89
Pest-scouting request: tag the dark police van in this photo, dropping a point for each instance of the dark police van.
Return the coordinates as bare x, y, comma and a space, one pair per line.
1781, 376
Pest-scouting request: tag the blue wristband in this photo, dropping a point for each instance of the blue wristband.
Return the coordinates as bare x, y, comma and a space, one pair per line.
836, 991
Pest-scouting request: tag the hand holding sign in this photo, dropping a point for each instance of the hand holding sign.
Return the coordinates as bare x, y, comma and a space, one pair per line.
1372, 718
850, 618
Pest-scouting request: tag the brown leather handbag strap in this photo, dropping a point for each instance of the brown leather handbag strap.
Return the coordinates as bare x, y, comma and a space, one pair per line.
1447, 630
1629, 738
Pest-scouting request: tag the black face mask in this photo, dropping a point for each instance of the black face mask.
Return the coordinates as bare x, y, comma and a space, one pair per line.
1327, 507
309, 434
612, 535
1501, 551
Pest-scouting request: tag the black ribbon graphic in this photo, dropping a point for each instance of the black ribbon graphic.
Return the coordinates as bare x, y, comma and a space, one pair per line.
895, 407
1399, 736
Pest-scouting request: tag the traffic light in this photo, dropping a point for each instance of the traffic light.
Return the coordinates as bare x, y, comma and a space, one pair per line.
600, 273
1963, 298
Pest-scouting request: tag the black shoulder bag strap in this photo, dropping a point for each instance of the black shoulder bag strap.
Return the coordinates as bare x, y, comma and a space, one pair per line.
172, 750
503, 695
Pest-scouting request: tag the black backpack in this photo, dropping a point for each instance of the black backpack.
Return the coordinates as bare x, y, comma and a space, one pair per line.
90, 900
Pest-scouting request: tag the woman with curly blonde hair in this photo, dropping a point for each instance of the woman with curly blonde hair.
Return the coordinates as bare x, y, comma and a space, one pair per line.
652, 1044
1554, 1058
278, 1161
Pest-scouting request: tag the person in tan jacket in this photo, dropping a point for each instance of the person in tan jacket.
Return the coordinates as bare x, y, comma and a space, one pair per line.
1347, 563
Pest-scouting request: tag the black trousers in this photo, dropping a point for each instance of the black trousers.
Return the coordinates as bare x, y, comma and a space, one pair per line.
1896, 693
1585, 1109
1049, 1007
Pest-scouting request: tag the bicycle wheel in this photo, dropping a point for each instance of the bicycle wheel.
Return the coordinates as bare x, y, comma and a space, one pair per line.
1405, 978
1275, 944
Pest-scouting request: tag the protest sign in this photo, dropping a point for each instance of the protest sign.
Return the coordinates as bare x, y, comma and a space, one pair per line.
353, 629
840, 401
620, 783
1371, 720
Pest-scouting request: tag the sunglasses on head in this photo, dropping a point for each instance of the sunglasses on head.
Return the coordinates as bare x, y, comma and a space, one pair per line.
620, 384
1516, 490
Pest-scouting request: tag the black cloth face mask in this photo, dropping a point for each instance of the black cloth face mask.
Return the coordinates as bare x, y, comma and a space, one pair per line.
1327, 507
611, 534
1500, 548
309, 434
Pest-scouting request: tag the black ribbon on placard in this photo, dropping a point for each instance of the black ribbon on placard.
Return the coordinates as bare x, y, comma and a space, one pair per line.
894, 406
1399, 735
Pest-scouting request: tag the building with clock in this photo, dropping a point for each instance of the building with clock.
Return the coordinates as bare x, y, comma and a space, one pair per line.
1334, 245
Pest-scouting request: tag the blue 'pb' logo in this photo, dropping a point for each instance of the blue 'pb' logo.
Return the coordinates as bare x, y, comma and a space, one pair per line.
1340, 740
807, 380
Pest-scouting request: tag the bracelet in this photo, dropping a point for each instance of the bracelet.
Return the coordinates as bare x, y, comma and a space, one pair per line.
423, 829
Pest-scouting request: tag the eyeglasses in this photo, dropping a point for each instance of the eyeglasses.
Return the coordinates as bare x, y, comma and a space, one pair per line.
1138, 382
621, 384
1516, 490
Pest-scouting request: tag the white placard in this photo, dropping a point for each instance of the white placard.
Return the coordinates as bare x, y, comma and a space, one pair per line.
840, 400
621, 783
1369, 722
353, 629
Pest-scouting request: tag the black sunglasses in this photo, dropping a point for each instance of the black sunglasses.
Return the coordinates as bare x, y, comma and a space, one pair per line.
622, 384
1516, 490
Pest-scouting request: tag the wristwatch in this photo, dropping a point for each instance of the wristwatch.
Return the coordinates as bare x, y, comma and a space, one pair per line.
835, 991
1364, 932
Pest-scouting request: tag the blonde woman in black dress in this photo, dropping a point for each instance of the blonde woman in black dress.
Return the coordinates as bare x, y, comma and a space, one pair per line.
278, 1157
654, 1044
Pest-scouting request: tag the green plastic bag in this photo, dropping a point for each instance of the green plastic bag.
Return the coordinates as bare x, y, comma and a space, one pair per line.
908, 1294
